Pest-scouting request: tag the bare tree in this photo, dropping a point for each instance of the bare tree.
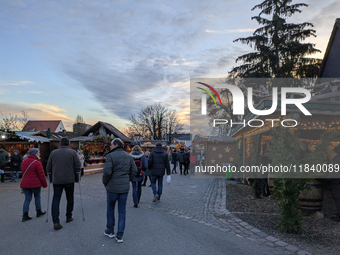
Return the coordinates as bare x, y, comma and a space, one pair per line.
79, 126
79, 119
13, 122
154, 122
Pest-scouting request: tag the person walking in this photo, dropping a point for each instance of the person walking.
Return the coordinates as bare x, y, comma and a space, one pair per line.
3, 161
187, 161
64, 167
15, 164
81, 159
181, 159
141, 164
118, 171
158, 162
174, 161
147, 170
32, 181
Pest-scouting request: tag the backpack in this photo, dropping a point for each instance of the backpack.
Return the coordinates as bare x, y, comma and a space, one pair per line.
181, 157
139, 166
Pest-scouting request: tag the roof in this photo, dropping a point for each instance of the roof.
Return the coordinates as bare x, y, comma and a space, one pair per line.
221, 139
185, 137
199, 138
331, 61
109, 129
31, 138
81, 139
41, 125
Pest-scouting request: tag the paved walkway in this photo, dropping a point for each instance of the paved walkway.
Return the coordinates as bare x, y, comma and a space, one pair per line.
190, 219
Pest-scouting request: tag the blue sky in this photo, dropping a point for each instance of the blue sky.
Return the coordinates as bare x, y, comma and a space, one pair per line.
106, 59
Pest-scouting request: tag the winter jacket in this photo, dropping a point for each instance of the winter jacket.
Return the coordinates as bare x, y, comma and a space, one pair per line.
119, 170
182, 156
34, 176
174, 158
16, 161
64, 164
3, 158
140, 156
158, 162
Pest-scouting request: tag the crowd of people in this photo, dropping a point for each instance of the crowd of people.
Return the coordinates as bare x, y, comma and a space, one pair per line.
65, 168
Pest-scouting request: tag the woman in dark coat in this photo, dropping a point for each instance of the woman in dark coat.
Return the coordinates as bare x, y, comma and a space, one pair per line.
142, 164
174, 162
147, 171
15, 164
32, 181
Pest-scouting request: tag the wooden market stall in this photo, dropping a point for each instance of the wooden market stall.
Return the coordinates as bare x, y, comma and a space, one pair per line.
23, 142
95, 144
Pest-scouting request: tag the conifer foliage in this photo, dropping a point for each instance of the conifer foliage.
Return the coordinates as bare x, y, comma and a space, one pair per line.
279, 48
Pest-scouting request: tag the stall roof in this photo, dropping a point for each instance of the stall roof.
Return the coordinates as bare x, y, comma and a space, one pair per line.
81, 139
31, 138
109, 129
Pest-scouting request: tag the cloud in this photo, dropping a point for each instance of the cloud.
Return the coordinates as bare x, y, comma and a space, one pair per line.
230, 31
35, 113
15, 83
48, 107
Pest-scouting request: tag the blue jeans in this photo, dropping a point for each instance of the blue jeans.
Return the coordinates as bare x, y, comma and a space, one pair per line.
158, 178
16, 176
136, 191
28, 198
57, 192
110, 212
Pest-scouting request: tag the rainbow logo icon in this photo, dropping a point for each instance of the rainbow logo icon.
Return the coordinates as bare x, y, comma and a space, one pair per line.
209, 93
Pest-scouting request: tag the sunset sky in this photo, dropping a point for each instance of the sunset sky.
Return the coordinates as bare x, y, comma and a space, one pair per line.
106, 59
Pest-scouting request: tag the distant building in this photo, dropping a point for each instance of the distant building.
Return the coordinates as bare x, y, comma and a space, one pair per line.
56, 126
80, 128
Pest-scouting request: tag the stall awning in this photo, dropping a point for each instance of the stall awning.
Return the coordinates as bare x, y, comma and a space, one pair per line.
37, 139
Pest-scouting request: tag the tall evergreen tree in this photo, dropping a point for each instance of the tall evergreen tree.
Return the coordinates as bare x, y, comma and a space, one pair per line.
279, 48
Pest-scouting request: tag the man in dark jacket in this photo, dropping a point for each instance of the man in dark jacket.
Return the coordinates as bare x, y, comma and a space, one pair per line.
3, 161
158, 162
174, 161
182, 158
63, 165
118, 171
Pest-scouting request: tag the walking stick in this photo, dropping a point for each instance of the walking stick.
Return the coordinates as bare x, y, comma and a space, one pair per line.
48, 195
81, 199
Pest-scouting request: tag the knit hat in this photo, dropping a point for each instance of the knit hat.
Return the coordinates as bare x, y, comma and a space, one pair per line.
158, 144
33, 151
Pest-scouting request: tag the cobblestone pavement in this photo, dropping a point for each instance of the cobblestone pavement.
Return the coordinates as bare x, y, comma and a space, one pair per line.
204, 200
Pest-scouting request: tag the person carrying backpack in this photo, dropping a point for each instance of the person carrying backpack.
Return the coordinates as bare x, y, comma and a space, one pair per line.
142, 166
182, 158
158, 162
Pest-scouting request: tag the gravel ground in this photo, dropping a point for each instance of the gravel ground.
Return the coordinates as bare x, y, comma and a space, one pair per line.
320, 236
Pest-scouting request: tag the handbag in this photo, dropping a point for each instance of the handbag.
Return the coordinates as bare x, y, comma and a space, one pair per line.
22, 190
